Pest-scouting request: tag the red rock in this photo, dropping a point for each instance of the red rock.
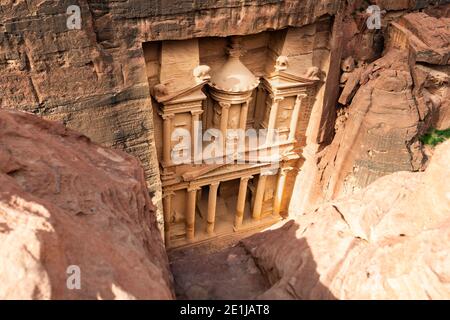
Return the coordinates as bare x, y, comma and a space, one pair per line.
398, 99
67, 201
388, 241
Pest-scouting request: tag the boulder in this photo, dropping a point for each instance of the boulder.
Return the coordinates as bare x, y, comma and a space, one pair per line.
71, 210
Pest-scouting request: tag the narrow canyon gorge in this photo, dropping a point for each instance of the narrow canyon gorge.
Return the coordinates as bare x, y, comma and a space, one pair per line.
225, 150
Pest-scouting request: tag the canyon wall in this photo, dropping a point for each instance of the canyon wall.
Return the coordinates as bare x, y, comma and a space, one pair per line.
94, 79
71, 209
395, 87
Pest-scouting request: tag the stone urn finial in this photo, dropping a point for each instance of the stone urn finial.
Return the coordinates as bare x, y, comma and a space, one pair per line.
201, 73
282, 63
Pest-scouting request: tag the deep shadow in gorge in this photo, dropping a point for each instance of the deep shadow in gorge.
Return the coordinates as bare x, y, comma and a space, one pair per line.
233, 273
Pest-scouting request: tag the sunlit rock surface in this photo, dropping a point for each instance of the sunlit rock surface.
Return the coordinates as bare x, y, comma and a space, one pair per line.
387, 241
385, 106
66, 201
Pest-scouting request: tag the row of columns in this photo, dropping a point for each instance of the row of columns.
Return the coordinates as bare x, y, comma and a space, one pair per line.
212, 203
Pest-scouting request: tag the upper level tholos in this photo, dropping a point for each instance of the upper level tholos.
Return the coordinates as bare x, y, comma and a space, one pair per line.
230, 117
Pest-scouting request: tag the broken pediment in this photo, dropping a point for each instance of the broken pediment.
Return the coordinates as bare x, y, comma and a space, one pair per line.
193, 93
283, 79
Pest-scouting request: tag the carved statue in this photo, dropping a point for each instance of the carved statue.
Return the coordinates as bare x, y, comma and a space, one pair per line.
281, 63
284, 115
201, 73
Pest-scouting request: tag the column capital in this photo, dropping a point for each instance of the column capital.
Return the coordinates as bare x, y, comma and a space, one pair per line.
276, 99
193, 188
285, 170
166, 116
246, 178
265, 172
196, 112
215, 183
168, 193
224, 105
300, 97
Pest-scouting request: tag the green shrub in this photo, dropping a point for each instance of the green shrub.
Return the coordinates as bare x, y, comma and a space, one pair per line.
434, 137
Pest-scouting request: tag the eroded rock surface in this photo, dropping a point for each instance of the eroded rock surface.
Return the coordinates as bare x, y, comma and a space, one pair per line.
387, 241
379, 131
67, 201
386, 106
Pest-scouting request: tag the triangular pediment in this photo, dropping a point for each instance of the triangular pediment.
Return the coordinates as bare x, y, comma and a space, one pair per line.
188, 94
289, 78
210, 171
201, 171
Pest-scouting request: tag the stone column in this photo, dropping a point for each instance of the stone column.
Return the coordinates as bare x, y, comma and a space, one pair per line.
225, 107
260, 103
190, 213
167, 208
294, 119
167, 137
195, 116
212, 201
280, 188
240, 206
272, 119
243, 116
259, 197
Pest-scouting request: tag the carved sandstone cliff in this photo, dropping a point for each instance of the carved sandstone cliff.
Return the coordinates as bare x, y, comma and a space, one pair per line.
66, 201
386, 106
94, 79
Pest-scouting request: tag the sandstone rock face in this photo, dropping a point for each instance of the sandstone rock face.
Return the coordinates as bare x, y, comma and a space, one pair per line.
386, 106
94, 79
388, 241
66, 201
378, 131
398, 98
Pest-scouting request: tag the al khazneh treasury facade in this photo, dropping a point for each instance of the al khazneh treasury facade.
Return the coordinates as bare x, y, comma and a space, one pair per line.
257, 83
